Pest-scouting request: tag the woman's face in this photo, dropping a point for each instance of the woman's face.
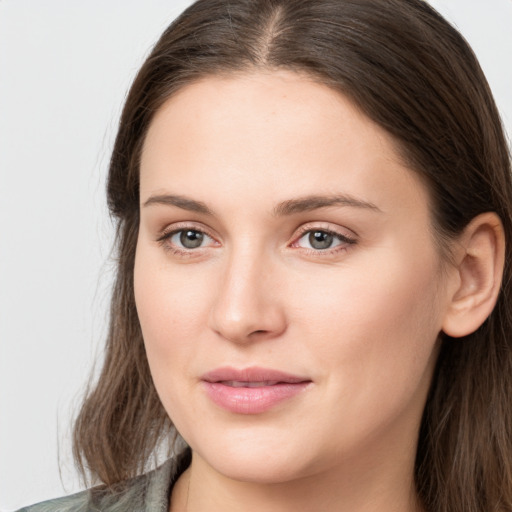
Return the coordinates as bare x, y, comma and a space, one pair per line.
286, 279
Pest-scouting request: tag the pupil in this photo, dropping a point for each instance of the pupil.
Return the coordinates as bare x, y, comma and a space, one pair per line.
320, 239
191, 239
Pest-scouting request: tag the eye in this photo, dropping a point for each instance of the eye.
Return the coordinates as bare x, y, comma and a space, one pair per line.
322, 240
188, 238
185, 240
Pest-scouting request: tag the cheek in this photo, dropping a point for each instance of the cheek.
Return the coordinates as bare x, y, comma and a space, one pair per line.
168, 305
167, 302
376, 329
167, 298
372, 339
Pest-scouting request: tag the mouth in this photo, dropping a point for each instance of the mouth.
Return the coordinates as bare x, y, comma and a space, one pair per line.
252, 390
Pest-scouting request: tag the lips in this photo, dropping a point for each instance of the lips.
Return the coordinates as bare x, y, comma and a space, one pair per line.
251, 390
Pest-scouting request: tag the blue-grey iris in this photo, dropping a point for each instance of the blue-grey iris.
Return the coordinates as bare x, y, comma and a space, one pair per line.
320, 239
191, 239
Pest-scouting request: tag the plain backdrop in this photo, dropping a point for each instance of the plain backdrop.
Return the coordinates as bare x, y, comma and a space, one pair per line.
65, 67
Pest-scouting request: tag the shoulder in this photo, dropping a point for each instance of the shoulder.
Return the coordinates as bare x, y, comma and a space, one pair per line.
146, 493
76, 502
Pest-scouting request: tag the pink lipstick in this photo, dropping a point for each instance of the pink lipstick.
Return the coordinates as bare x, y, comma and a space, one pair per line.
251, 390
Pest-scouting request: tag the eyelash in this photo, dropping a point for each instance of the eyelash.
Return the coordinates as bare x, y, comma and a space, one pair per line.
345, 241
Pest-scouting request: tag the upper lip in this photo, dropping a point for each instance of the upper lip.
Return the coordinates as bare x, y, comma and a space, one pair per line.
252, 374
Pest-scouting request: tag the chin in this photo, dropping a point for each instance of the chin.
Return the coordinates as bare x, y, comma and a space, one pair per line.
252, 457
262, 468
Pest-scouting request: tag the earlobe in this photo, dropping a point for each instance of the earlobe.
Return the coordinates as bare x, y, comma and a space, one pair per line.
479, 272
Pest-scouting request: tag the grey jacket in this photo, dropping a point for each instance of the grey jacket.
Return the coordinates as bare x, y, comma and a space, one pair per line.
146, 493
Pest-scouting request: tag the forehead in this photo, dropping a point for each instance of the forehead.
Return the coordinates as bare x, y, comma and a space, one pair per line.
278, 108
276, 134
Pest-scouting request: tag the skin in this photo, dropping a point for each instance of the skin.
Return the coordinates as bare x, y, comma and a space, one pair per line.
361, 320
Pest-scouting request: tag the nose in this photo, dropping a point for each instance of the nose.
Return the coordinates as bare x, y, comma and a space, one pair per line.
247, 306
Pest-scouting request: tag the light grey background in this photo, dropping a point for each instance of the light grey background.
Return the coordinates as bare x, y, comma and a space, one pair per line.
65, 68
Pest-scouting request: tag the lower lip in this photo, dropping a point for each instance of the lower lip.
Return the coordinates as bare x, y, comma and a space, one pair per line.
252, 400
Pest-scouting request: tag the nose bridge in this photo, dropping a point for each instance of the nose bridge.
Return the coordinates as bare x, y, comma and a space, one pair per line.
246, 305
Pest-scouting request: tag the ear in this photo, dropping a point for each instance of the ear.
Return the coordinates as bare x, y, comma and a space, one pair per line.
480, 256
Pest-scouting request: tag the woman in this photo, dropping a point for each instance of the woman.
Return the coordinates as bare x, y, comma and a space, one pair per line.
313, 199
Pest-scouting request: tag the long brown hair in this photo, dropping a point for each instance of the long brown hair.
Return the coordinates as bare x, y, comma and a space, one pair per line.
412, 73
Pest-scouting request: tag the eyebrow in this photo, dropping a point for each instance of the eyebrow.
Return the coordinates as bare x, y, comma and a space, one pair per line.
289, 207
182, 202
309, 203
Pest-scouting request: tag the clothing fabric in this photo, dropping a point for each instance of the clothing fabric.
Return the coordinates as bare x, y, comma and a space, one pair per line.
150, 492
